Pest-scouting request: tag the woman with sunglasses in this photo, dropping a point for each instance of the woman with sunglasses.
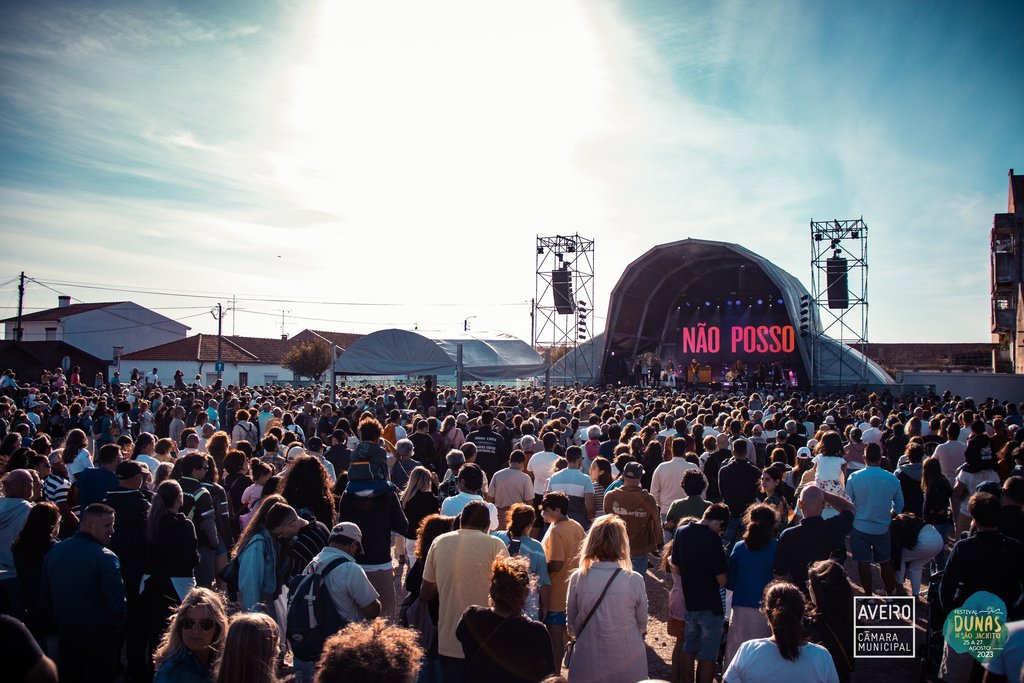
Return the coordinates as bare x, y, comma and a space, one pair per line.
189, 648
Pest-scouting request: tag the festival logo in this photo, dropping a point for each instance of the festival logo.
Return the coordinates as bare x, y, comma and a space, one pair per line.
883, 627
977, 627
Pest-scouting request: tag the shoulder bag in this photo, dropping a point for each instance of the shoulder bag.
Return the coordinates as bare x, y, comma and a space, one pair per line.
572, 641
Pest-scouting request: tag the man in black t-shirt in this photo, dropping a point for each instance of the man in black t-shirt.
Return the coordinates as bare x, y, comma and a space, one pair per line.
738, 482
491, 448
22, 658
814, 538
699, 555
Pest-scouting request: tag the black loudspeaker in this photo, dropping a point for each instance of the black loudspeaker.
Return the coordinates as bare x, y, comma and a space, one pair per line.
838, 286
561, 287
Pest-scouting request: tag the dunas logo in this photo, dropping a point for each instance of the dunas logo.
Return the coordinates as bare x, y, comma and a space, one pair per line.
978, 627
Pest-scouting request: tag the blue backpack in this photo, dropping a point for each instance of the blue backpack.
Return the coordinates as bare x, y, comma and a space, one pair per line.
312, 617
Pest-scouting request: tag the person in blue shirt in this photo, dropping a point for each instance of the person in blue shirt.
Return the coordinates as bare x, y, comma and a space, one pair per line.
89, 622
521, 519
750, 570
877, 495
576, 484
96, 482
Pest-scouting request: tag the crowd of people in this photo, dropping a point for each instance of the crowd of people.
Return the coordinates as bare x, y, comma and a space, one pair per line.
230, 534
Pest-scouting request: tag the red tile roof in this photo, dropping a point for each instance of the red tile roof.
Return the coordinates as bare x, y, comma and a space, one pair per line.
61, 312
912, 356
342, 339
203, 347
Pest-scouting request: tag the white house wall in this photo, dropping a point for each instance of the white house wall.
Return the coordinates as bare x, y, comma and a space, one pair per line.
97, 332
258, 373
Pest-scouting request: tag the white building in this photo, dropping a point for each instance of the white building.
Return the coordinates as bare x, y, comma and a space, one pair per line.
248, 361
104, 330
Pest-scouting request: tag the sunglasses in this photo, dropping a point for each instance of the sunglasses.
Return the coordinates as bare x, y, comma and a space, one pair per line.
205, 624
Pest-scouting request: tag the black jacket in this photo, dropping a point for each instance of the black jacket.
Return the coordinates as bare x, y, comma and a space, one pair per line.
376, 516
173, 549
131, 509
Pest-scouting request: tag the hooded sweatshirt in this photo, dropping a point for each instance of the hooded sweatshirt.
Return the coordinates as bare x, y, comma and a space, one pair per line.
13, 513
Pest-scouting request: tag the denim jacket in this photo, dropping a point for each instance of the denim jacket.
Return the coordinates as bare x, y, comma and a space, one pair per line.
257, 571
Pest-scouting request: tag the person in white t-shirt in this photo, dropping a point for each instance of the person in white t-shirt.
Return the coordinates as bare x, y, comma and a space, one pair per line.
785, 657
667, 480
470, 482
541, 465
952, 453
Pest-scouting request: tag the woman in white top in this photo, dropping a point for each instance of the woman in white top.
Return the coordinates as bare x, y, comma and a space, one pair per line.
829, 465
785, 657
610, 648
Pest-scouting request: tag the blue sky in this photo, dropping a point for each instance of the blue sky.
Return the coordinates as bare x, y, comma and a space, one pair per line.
409, 153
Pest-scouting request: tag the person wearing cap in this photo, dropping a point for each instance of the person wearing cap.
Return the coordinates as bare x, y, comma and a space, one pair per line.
639, 510
353, 595
131, 507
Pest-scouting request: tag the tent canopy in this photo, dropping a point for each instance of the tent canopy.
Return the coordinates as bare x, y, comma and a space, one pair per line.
485, 356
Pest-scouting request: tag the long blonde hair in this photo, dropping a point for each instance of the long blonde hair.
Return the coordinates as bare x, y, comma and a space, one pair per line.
250, 650
171, 644
607, 541
417, 478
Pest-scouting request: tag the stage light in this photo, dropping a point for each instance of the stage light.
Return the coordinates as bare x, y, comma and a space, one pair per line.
818, 237
779, 302
583, 304
571, 249
708, 304
738, 302
855, 234
540, 250
760, 301
728, 303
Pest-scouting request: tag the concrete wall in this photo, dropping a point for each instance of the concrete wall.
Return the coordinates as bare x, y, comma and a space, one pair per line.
258, 373
976, 385
97, 332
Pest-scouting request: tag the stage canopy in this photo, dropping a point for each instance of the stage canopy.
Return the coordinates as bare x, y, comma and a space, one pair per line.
485, 356
718, 302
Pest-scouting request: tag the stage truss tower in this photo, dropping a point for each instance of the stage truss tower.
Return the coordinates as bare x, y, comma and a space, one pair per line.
839, 290
563, 304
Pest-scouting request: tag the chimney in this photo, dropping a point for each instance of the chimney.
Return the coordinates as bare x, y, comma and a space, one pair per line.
284, 337
63, 301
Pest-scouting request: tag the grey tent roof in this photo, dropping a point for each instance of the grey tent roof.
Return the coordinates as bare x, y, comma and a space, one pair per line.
485, 355
582, 364
641, 297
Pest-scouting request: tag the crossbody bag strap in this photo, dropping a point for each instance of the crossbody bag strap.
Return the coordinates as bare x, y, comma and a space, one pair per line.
480, 648
599, 599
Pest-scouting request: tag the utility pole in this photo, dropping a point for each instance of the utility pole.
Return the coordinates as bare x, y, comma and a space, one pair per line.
334, 374
21, 301
234, 314
220, 339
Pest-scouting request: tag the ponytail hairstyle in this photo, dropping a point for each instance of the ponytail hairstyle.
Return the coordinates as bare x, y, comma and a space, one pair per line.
167, 494
784, 607
144, 441
760, 521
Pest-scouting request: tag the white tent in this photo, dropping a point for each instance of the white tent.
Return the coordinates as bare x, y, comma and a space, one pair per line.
485, 356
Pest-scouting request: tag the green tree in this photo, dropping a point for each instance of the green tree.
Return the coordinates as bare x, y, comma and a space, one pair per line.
308, 359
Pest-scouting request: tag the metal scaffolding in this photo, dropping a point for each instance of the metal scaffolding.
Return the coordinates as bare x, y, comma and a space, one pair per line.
839, 289
562, 325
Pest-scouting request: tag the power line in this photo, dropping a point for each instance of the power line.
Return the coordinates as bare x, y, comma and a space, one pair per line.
262, 299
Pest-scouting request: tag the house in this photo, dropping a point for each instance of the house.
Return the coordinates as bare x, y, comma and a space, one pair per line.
28, 359
104, 329
340, 339
907, 357
247, 360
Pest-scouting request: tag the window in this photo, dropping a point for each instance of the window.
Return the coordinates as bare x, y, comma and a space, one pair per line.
269, 379
51, 334
243, 379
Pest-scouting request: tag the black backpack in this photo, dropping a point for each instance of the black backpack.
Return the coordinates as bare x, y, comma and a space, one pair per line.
312, 617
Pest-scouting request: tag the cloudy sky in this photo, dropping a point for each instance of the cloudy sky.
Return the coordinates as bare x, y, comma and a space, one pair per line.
369, 164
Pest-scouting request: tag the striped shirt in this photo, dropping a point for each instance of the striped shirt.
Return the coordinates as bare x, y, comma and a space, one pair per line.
55, 489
